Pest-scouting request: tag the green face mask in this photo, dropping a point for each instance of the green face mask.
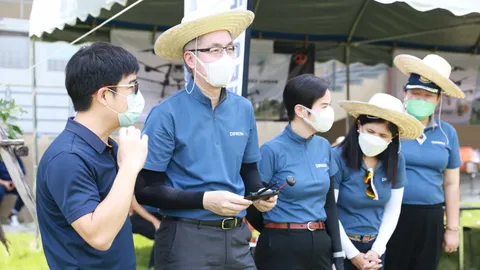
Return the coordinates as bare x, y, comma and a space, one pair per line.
420, 108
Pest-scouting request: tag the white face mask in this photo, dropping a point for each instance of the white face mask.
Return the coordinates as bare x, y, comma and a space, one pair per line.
371, 145
323, 120
219, 72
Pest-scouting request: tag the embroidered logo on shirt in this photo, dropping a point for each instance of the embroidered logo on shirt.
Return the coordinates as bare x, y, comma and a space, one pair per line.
321, 165
438, 142
384, 179
236, 133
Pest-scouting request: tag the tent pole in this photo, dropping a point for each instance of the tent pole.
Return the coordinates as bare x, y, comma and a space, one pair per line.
246, 54
34, 133
347, 62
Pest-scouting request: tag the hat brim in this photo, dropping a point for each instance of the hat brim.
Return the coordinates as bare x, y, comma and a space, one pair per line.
170, 44
409, 128
409, 64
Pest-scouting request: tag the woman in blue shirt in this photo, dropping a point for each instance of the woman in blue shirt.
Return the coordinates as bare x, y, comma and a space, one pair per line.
371, 177
301, 232
432, 163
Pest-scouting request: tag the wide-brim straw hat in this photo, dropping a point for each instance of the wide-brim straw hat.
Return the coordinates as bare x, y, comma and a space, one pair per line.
433, 68
389, 108
170, 43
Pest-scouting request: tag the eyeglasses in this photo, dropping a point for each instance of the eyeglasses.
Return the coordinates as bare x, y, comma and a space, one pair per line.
135, 85
368, 179
217, 51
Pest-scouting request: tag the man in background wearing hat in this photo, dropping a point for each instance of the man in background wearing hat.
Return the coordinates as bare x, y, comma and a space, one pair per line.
203, 151
432, 165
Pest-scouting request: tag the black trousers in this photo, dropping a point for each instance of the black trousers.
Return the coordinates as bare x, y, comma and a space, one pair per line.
417, 241
363, 248
293, 250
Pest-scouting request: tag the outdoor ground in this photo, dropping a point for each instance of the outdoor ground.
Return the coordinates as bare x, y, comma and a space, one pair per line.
24, 256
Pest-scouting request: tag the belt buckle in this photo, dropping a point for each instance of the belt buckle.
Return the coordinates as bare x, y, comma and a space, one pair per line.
308, 226
228, 219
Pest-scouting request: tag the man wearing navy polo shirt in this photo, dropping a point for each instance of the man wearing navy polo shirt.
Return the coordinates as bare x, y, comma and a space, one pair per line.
85, 180
203, 151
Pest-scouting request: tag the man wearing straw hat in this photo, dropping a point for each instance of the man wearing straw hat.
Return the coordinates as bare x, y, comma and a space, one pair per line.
432, 165
203, 151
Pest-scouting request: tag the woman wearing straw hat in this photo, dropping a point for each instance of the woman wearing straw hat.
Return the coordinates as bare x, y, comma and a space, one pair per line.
370, 182
203, 150
301, 232
432, 163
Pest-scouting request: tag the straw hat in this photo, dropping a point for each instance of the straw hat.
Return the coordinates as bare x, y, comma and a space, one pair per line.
170, 43
389, 108
433, 68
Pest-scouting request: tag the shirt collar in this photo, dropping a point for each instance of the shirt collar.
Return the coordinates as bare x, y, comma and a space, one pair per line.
87, 135
432, 123
295, 137
200, 97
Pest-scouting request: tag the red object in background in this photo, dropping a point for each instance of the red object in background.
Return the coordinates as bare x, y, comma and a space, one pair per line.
469, 157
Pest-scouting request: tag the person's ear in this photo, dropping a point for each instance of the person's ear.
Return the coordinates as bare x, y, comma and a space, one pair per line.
101, 96
300, 111
358, 126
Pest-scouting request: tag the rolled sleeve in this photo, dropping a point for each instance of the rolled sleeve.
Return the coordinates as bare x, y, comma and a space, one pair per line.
252, 152
159, 126
74, 190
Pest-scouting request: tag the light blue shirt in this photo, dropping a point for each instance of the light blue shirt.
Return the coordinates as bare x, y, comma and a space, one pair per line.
311, 163
200, 148
360, 214
426, 163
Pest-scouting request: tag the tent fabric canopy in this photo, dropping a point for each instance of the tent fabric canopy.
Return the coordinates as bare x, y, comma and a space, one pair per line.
370, 28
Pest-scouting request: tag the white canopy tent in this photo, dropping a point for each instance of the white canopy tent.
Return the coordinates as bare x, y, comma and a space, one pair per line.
347, 30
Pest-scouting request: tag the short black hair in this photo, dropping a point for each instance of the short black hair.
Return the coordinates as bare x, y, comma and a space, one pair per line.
93, 67
353, 155
305, 90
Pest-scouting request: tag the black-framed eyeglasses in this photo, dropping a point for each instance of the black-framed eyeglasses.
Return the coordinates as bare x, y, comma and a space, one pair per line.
218, 50
135, 85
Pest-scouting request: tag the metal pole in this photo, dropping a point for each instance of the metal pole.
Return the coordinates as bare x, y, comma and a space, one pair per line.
21, 9
347, 63
246, 54
34, 133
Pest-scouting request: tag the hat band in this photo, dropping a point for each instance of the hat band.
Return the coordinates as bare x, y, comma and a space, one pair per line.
429, 89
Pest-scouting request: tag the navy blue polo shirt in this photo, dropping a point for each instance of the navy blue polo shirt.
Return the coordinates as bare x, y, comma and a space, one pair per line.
200, 148
4, 175
426, 161
311, 162
74, 175
358, 213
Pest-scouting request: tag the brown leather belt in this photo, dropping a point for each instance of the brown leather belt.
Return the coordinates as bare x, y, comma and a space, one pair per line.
362, 238
311, 226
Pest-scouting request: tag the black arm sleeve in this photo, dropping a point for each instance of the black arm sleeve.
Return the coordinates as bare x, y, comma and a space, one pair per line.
332, 219
253, 182
151, 190
251, 177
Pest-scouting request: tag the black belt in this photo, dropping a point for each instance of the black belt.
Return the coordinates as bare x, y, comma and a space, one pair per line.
226, 223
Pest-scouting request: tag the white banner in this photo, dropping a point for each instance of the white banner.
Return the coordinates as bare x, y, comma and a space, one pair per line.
159, 78
465, 73
224, 5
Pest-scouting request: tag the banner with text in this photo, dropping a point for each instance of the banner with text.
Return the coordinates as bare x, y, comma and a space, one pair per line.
159, 78
465, 73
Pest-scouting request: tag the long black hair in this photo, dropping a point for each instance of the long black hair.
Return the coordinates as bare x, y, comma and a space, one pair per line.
353, 155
